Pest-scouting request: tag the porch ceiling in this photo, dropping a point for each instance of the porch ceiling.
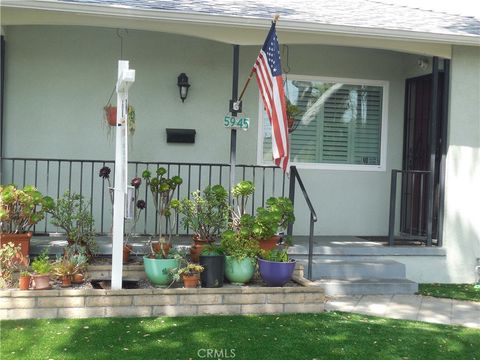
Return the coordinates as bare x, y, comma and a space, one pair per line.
226, 29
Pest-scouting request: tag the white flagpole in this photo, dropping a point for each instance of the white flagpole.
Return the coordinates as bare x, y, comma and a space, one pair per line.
126, 77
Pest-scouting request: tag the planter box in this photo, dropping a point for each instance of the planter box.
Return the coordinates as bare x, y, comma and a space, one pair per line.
17, 239
82, 303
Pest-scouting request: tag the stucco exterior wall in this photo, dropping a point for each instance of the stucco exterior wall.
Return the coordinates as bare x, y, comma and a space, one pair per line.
59, 79
462, 202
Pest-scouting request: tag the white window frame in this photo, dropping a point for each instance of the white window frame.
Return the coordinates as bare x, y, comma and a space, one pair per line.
325, 166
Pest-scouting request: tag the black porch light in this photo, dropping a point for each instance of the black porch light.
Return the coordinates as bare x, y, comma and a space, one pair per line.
183, 85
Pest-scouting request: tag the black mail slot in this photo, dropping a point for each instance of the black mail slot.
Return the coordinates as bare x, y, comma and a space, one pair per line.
185, 136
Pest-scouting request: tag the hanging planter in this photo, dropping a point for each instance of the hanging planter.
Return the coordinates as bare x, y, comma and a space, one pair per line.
111, 114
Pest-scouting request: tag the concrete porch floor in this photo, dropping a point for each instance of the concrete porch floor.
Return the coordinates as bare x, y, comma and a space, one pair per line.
322, 246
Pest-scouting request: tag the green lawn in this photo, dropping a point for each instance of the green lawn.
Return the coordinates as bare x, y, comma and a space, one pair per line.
307, 336
451, 291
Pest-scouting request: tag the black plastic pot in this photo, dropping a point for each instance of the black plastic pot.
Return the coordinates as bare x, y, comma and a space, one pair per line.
212, 276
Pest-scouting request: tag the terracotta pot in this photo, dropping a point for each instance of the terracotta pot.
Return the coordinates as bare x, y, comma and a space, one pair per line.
157, 247
127, 249
78, 278
191, 281
111, 115
197, 248
41, 282
269, 244
24, 282
66, 281
17, 239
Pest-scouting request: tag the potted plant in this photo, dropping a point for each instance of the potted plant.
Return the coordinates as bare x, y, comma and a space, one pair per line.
270, 220
110, 114
241, 193
72, 214
275, 267
11, 258
65, 268
139, 207
241, 250
292, 111
80, 261
212, 258
42, 268
162, 189
160, 266
205, 214
20, 210
190, 274
24, 280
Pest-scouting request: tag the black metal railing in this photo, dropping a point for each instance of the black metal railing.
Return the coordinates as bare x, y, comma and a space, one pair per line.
55, 176
295, 176
414, 215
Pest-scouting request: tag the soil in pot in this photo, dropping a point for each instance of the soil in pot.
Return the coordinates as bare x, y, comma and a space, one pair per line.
24, 282
214, 273
190, 281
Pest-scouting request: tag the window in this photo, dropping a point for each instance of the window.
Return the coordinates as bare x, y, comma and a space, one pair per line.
338, 124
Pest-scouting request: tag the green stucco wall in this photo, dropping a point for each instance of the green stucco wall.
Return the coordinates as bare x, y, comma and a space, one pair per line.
59, 78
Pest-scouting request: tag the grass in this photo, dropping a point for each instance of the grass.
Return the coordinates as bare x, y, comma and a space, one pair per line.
451, 291
267, 337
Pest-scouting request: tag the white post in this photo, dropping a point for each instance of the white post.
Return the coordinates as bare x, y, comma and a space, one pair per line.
125, 78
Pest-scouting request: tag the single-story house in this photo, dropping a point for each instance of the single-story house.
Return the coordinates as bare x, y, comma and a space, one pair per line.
378, 88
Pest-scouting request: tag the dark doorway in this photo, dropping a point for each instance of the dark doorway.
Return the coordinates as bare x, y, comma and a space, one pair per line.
416, 155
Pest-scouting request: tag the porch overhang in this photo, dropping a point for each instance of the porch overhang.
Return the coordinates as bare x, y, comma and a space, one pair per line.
229, 29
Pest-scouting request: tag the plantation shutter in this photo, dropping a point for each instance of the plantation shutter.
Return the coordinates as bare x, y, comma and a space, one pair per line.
344, 128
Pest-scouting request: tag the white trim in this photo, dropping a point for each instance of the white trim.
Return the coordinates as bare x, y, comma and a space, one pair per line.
237, 21
330, 166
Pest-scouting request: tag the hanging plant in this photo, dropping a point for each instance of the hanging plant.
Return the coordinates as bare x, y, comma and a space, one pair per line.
292, 111
110, 115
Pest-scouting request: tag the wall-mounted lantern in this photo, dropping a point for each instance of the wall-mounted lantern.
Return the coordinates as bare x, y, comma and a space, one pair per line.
183, 86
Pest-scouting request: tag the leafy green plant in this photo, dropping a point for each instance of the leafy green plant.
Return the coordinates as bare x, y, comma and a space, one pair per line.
162, 189
276, 216
42, 265
212, 249
65, 267
205, 214
276, 255
239, 244
72, 214
188, 270
21, 209
11, 258
241, 193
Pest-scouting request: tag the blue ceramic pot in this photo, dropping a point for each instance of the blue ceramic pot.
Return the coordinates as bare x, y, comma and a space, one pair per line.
158, 271
276, 273
239, 271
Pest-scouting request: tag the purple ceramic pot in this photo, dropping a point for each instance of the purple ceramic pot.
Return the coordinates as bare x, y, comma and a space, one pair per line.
276, 273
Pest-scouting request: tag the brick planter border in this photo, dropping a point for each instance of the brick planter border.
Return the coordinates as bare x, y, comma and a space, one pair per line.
83, 303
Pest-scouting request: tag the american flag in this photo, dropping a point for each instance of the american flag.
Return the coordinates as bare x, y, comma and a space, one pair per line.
268, 72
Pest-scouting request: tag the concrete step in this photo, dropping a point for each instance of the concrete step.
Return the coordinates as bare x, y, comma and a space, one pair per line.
356, 269
372, 286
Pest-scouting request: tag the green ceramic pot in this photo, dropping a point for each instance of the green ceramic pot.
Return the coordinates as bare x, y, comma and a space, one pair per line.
159, 270
239, 271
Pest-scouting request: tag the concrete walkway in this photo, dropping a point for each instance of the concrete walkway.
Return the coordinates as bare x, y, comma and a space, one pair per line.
410, 307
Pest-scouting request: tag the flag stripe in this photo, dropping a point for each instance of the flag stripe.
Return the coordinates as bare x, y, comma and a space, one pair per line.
268, 72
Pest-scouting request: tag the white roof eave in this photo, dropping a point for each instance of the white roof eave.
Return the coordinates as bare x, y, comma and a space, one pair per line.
228, 29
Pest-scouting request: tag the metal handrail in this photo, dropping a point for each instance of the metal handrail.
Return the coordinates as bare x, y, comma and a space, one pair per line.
313, 216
